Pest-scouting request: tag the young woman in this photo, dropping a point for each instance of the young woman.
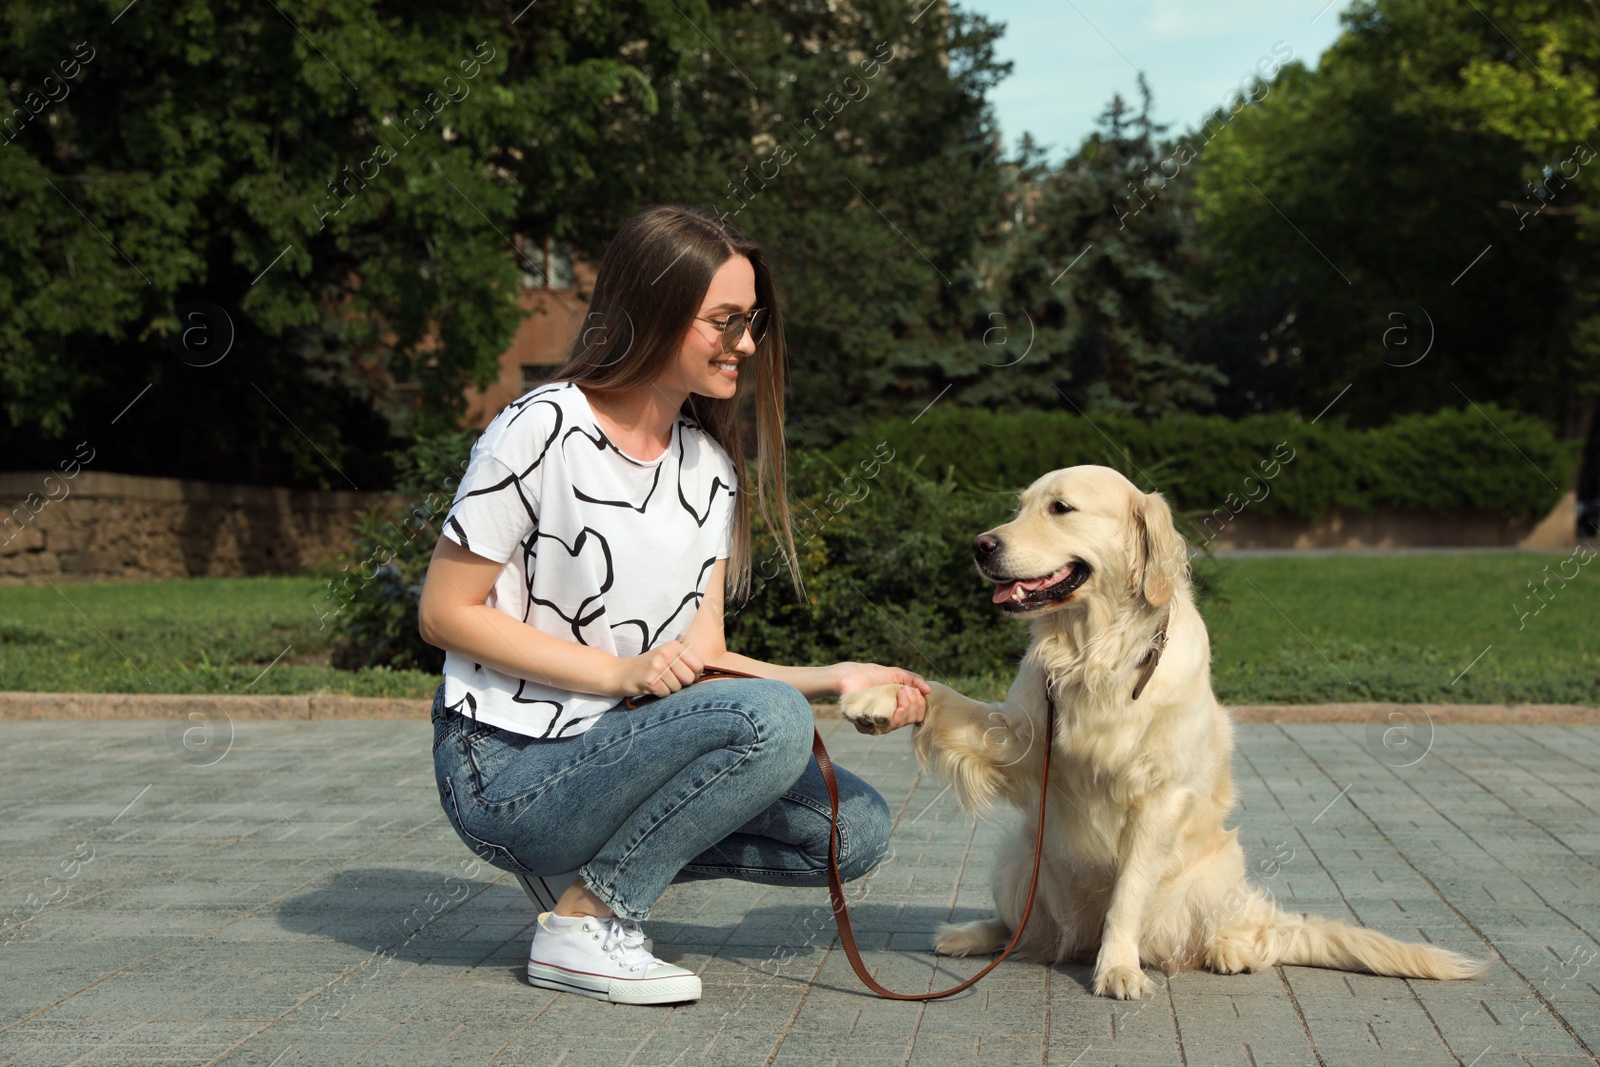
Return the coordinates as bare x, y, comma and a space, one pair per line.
584, 561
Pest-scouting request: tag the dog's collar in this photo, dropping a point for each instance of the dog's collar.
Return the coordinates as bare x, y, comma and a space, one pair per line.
1152, 655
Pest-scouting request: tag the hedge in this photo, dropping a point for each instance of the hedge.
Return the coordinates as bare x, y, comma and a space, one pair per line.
886, 557
885, 520
1451, 461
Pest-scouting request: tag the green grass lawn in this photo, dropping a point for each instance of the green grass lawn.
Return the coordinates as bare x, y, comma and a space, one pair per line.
198, 635
1290, 630
1404, 628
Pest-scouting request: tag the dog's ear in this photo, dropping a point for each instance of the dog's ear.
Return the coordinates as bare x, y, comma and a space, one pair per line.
1161, 556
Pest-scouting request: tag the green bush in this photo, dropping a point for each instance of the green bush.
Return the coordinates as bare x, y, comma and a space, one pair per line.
1446, 462
887, 564
372, 590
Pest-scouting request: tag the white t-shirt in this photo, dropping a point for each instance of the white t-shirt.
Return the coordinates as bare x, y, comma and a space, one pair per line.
598, 547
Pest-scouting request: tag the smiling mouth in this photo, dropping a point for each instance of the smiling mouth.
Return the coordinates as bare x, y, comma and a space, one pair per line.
1020, 595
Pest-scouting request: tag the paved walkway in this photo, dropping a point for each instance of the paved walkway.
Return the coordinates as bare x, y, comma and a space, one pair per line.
199, 899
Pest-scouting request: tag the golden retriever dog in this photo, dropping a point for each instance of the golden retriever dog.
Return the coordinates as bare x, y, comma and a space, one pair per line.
1138, 867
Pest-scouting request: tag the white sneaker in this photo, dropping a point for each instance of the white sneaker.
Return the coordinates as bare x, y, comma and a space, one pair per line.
605, 959
545, 889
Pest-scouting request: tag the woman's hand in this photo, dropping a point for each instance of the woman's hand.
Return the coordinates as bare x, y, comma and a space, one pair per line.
664, 669
911, 704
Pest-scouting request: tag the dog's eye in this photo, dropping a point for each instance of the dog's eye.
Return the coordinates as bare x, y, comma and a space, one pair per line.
1060, 507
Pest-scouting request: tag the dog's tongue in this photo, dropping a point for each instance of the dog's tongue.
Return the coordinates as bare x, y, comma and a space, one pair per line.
1006, 591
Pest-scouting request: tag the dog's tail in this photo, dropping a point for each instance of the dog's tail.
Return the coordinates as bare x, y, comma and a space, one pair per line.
1314, 941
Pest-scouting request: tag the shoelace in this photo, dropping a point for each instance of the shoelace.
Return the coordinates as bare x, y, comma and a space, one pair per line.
632, 932
628, 936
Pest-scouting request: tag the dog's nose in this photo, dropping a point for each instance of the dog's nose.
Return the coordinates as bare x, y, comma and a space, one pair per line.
985, 545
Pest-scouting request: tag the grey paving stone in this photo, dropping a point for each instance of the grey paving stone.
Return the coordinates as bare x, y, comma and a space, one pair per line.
1217, 1030
234, 912
825, 1051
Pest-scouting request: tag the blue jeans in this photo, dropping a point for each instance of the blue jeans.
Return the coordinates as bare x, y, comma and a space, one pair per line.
716, 780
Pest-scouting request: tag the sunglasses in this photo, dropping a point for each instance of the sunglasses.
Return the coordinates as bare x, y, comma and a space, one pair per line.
734, 325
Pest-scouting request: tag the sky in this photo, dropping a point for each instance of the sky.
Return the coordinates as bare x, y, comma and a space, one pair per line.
1070, 56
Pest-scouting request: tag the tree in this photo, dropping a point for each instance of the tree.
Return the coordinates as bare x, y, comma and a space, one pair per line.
1375, 210
1087, 303
345, 186
870, 166
326, 181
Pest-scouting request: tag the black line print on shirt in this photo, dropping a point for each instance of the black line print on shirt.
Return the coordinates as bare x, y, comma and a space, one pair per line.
466, 542
578, 492
571, 723
604, 441
521, 404
557, 707
512, 481
516, 479
649, 640
577, 620
716, 483
525, 405
530, 561
470, 702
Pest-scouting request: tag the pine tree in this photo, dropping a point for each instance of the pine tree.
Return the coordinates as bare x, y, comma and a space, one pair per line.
1099, 263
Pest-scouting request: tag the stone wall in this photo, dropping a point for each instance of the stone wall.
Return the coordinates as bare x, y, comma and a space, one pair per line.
97, 525
1390, 528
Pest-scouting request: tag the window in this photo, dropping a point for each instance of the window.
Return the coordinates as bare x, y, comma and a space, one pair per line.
558, 264
546, 263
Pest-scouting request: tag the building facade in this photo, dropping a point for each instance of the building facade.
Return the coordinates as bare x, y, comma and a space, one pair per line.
556, 290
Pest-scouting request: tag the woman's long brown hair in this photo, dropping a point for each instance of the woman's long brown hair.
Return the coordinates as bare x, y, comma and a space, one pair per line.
649, 287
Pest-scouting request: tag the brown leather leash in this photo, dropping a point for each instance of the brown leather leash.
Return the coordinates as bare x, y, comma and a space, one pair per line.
841, 911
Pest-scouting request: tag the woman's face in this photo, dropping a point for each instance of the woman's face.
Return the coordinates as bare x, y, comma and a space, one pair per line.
702, 367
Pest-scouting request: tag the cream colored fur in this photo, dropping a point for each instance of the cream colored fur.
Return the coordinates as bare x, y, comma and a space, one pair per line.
1138, 866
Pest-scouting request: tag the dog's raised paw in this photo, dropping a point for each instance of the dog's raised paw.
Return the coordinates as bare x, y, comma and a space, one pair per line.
870, 710
1121, 983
